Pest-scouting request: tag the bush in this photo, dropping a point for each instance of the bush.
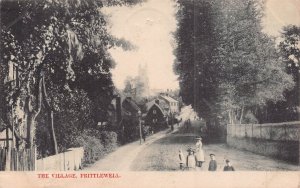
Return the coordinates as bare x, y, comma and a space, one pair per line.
93, 147
250, 118
96, 144
109, 140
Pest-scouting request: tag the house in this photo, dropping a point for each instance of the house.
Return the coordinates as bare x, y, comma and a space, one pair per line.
156, 116
130, 119
172, 103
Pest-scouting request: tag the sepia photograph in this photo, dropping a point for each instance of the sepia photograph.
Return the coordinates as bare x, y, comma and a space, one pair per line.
123, 91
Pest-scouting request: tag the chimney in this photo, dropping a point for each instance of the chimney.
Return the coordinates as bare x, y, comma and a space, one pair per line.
157, 101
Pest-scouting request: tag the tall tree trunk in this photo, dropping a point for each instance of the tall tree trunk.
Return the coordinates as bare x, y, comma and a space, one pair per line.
31, 115
51, 118
55, 150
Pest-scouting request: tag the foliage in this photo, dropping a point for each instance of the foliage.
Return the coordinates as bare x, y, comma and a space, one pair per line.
109, 140
65, 43
224, 61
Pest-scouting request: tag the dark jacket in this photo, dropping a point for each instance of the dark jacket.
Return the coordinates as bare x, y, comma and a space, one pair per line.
228, 168
212, 165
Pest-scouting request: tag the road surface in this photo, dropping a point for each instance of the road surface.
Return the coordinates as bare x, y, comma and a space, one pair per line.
160, 153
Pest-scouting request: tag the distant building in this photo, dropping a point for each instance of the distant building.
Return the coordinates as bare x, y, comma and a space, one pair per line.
138, 87
144, 80
172, 103
130, 119
129, 107
156, 116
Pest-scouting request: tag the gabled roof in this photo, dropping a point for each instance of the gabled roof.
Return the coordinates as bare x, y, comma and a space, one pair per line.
168, 98
129, 105
162, 111
150, 104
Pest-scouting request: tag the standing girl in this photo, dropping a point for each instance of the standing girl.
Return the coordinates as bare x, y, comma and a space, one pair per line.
191, 160
199, 152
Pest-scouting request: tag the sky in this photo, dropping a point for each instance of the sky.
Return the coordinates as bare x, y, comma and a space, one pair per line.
279, 13
149, 26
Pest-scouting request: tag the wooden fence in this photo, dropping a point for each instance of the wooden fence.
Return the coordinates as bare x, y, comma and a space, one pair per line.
279, 140
66, 161
17, 160
269, 131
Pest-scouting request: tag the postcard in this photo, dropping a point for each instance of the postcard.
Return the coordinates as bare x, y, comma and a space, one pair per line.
150, 93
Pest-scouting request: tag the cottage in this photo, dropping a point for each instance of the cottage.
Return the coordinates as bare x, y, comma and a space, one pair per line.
157, 114
172, 103
155, 117
130, 119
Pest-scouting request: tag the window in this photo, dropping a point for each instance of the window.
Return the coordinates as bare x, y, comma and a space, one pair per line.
154, 111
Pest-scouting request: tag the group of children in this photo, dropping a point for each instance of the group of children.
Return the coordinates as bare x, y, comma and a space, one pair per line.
195, 158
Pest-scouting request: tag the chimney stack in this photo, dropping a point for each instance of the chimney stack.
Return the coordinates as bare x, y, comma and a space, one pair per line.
157, 101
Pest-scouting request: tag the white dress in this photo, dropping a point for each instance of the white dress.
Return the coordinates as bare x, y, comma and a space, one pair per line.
191, 161
181, 157
199, 152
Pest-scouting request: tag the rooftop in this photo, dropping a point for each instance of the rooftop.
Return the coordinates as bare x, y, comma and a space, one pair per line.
168, 98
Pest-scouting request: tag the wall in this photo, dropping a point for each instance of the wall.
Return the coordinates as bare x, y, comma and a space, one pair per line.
278, 140
69, 160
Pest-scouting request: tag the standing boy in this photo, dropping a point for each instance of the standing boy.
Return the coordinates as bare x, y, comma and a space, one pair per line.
228, 166
213, 163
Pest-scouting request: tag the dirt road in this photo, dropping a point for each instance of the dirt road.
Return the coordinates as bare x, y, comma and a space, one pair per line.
160, 153
124, 156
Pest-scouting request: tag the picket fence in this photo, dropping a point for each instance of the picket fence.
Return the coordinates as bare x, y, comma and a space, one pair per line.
17, 160
25, 160
67, 161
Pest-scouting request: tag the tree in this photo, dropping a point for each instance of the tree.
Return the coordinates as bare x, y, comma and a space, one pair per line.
290, 53
64, 43
225, 63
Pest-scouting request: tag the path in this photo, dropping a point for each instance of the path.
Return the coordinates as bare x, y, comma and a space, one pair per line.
160, 153
123, 157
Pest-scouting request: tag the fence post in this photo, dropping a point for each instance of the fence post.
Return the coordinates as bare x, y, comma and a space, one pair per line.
260, 131
17, 160
234, 130
74, 156
64, 161
271, 132
285, 133
8, 158
252, 131
298, 147
34, 158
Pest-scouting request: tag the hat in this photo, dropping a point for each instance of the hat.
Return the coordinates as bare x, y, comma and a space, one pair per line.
227, 161
212, 154
190, 149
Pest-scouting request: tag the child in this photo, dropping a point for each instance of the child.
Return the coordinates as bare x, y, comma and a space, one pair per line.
199, 152
191, 160
212, 163
228, 166
181, 157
